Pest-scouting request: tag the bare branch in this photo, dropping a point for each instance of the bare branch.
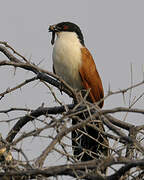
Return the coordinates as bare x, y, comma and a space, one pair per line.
126, 139
17, 87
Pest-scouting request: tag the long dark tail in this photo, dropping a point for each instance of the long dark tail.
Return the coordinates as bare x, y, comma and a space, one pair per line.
88, 142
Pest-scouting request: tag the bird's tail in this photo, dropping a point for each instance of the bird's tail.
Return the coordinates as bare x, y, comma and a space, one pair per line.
89, 141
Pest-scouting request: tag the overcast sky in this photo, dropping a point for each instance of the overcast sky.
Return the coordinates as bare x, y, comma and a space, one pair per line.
113, 32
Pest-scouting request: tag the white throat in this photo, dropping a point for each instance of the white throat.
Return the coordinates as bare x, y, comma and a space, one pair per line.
67, 58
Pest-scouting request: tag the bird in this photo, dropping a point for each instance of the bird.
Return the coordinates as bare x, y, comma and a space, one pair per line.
73, 62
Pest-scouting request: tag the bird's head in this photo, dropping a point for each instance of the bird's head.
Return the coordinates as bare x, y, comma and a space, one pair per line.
66, 27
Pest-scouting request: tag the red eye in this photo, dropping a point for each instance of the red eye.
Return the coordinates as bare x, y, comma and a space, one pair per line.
65, 27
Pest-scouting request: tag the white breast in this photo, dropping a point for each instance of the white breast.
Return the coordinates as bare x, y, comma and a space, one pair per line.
67, 58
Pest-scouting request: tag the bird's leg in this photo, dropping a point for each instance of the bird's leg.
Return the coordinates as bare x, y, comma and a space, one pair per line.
61, 87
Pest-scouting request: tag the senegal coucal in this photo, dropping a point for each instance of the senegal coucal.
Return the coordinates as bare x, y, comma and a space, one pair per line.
73, 62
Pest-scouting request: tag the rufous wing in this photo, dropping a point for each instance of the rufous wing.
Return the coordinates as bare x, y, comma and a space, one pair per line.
90, 77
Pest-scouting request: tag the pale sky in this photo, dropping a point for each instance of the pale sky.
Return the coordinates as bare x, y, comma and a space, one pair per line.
113, 32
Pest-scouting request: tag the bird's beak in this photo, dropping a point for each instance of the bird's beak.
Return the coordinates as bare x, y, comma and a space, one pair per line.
52, 28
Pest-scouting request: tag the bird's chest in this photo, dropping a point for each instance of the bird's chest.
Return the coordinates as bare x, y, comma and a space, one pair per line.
67, 61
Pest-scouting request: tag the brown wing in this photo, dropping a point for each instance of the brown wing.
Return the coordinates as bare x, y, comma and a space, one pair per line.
90, 77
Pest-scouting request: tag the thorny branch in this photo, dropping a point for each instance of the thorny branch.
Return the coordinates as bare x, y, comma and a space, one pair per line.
79, 169
123, 134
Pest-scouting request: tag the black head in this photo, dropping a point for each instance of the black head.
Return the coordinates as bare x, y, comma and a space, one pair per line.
68, 27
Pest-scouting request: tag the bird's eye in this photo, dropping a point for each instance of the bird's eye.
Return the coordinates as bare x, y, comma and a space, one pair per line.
65, 27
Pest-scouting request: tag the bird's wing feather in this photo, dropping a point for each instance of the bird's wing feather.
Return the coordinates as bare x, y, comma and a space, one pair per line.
90, 77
